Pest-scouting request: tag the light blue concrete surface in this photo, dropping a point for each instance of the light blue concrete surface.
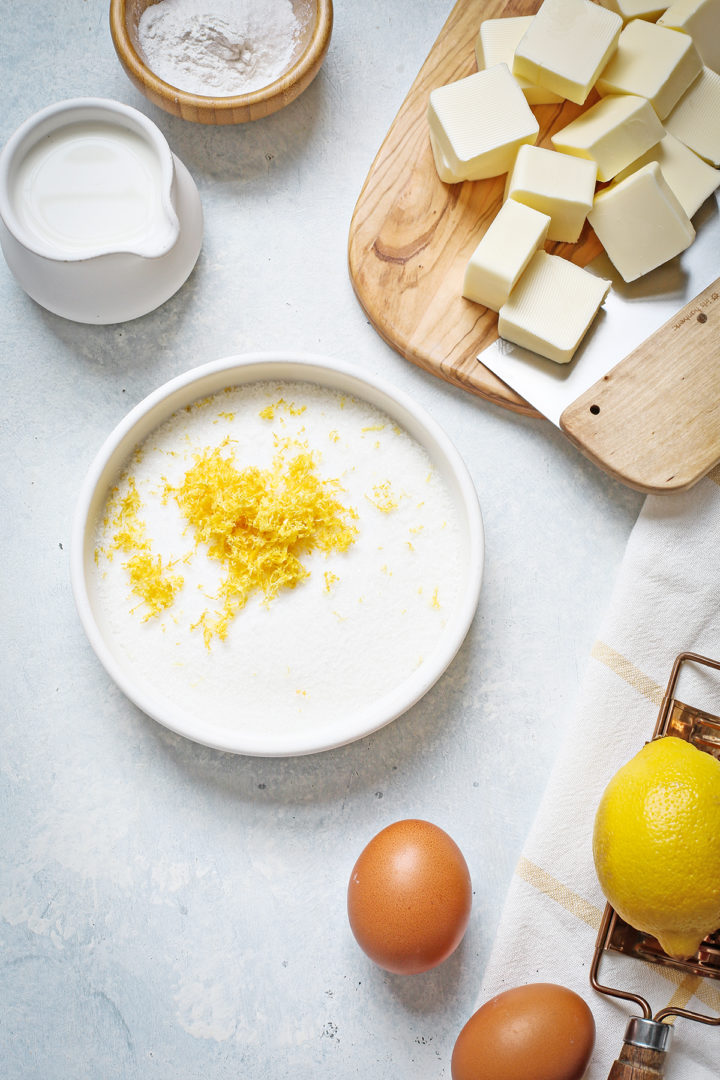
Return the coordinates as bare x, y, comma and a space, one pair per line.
167, 911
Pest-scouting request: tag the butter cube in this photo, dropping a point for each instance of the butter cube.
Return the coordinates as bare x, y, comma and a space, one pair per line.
478, 123
555, 184
690, 178
652, 61
635, 9
442, 164
513, 237
551, 307
566, 46
695, 120
496, 43
640, 222
613, 132
701, 20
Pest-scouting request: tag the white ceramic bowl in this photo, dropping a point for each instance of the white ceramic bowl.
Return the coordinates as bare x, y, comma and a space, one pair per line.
109, 283
350, 722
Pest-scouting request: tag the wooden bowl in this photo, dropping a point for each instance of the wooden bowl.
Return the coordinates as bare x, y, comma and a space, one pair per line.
316, 19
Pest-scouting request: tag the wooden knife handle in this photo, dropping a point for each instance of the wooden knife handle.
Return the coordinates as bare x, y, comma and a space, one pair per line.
644, 1051
638, 1063
654, 420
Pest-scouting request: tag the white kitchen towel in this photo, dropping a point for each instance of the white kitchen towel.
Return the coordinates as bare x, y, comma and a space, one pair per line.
666, 601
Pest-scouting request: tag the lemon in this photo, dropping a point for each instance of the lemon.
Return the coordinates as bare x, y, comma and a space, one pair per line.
656, 844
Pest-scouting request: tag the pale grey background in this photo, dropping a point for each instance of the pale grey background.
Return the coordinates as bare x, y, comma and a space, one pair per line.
165, 910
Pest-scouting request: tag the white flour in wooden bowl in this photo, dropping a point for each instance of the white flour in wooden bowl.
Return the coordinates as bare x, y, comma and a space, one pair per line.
362, 621
219, 48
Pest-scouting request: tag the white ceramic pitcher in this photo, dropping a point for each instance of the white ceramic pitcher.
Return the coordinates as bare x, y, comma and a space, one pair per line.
100, 222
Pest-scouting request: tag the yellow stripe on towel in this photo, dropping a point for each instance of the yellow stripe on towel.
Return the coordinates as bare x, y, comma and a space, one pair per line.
709, 994
627, 671
686, 990
542, 881
687, 986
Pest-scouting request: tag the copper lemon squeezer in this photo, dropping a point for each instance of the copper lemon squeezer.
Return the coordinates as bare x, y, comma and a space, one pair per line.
647, 1037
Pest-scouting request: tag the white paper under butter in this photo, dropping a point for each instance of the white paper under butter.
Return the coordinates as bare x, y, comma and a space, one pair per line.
695, 120
613, 133
652, 61
690, 178
551, 307
513, 237
496, 43
566, 46
479, 122
701, 20
556, 184
640, 222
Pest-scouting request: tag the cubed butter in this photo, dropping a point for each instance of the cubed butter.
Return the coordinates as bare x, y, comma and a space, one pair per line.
442, 165
513, 237
551, 307
640, 222
690, 178
496, 43
652, 61
566, 46
612, 133
701, 20
635, 9
556, 184
479, 122
695, 120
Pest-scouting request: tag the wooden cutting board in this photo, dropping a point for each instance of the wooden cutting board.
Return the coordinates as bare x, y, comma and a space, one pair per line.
411, 235
653, 421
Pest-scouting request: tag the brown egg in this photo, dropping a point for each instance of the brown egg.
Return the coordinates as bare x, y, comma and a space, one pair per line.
409, 897
540, 1031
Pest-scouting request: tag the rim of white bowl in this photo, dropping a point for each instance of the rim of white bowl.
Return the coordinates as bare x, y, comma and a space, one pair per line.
237, 370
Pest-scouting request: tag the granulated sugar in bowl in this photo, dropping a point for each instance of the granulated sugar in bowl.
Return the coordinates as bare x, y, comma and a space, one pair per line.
273, 555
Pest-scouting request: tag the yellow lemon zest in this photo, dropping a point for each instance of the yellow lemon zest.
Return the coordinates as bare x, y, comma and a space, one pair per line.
150, 579
259, 523
268, 413
383, 497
